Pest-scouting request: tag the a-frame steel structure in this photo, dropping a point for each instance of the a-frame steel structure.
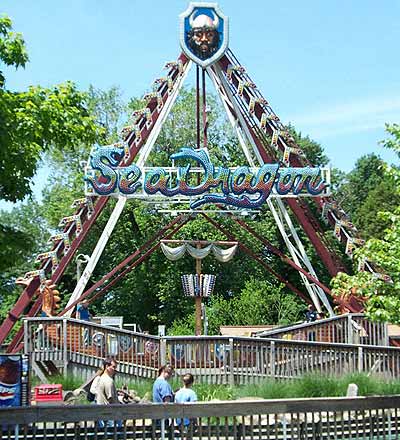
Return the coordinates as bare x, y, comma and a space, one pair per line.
263, 138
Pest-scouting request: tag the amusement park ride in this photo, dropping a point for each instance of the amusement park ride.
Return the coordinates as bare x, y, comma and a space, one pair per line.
277, 174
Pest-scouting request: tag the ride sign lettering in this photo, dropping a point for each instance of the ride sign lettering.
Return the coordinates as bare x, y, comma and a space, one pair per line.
243, 187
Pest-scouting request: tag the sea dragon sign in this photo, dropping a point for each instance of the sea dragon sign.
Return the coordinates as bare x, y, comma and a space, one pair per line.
205, 183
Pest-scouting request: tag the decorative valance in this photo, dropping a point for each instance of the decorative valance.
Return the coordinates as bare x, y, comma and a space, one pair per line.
174, 254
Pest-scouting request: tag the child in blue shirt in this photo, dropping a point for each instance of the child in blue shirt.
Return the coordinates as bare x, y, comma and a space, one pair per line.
185, 395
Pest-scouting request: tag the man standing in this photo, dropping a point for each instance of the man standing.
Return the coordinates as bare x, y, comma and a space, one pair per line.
311, 316
106, 391
162, 393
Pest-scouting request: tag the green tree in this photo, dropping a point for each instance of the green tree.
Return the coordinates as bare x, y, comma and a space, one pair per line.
365, 191
21, 239
12, 47
312, 150
65, 181
382, 298
34, 121
393, 142
259, 302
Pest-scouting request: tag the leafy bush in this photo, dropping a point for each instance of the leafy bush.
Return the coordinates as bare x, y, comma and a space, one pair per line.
308, 386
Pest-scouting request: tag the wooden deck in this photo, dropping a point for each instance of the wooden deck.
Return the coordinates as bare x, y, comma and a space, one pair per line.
80, 346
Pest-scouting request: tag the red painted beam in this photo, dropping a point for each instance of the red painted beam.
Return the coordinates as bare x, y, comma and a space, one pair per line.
303, 214
158, 236
133, 265
281, 255
27, 295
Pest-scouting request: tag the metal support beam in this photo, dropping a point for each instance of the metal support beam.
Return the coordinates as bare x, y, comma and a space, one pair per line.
298, 254
297, 248
127, 269
112, 221
256, 257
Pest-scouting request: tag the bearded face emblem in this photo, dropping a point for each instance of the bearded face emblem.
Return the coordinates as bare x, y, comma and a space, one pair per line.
203, 37
203, 33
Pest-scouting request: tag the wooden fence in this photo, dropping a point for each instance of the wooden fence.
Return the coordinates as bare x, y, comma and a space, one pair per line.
302, 419
79, 347
352, 328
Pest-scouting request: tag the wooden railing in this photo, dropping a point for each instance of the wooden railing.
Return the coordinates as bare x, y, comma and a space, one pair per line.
327, 418
212, 359
352, 328
79, 342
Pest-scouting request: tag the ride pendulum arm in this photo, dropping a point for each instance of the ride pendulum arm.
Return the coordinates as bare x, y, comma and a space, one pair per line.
238, 88
298, 253
262, 121
150, 130
243, 102
65, 245
245, 136
145, 123
248, 251
131, 262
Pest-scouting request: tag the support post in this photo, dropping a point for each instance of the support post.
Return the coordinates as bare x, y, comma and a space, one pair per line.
163, 351
350, 339
386, 334
360, 360
27, 351
231, 372
205, 141
65, 348
198, 106
272, 359
197, 299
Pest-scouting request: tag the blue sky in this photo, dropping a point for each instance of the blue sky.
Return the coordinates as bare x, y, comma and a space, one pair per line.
329, 67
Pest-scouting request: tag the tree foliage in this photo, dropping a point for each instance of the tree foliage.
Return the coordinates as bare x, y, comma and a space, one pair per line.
259, 302
365, 191
312, 150
12, 47
23, 234
34, 121
383, 298
31, 122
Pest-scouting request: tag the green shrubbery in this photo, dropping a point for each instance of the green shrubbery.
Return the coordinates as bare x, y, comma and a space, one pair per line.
307, 386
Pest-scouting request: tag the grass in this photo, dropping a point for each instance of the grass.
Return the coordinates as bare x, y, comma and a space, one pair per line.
68, 383
307, 386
